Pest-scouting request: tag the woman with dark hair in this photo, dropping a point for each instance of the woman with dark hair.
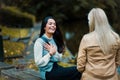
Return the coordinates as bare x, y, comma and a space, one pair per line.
48, 49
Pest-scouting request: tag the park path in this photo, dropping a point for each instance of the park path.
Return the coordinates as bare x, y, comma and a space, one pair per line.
34, 34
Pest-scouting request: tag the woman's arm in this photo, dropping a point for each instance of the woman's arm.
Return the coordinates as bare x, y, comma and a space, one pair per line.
38, 50
58, 56
118, 55
81, 59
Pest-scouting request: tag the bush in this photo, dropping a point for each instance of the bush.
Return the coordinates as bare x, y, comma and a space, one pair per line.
12, 16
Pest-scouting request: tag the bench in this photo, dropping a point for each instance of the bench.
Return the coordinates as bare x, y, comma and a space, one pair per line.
9, 72
26, 74
5, 66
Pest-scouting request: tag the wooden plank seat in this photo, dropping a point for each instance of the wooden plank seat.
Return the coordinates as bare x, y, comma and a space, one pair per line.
25, 74
5, 66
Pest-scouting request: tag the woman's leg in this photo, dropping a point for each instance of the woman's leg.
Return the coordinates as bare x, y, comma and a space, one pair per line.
61, 73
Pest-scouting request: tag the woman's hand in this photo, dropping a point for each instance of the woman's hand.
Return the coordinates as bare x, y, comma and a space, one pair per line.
51, 48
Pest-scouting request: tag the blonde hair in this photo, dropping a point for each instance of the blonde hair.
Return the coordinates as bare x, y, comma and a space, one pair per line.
98, 22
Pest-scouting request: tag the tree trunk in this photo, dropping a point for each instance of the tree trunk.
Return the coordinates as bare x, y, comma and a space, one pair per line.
1, 47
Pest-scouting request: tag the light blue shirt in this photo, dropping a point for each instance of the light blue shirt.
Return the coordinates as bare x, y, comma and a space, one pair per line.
42, 57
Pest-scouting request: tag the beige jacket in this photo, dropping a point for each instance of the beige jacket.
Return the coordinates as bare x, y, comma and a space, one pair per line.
94, 64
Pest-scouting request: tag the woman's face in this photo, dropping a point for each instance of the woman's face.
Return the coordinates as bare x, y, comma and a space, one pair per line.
50, 26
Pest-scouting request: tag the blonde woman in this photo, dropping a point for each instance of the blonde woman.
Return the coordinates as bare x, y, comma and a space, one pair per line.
99, 50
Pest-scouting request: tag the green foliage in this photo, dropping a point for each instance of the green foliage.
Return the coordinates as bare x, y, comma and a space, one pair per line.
13, 48
14, 32
12, 16
3, 78
70, 12
111, 3
62, 9
16, 48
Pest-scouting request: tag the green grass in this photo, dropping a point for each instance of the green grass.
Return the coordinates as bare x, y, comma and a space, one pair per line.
13, 48
3, 78
14, 32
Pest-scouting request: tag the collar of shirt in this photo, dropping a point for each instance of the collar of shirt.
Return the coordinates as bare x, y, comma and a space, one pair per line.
49, 39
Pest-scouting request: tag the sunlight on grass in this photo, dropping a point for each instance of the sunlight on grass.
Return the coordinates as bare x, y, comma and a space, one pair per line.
13, 48
15, 32
65, 64
32, 65
3, 78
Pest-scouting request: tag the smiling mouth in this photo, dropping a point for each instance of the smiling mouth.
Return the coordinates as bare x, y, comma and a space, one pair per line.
52, 29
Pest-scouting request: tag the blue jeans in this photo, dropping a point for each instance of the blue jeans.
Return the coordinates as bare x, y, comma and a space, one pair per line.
63, 73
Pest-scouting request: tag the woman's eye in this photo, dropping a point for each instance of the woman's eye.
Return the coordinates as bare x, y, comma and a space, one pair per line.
52, 24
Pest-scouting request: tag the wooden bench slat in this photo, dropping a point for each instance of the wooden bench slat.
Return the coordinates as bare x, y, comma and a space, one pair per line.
5, 66
14, 74
32, 72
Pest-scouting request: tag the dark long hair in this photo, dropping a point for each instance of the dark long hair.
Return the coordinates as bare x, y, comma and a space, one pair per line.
57, 36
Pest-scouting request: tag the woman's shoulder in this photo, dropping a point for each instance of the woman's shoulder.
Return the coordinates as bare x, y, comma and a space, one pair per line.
115, 34
39, 40
89, 35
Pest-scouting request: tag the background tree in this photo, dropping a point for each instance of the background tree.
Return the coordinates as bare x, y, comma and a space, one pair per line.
69, 13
